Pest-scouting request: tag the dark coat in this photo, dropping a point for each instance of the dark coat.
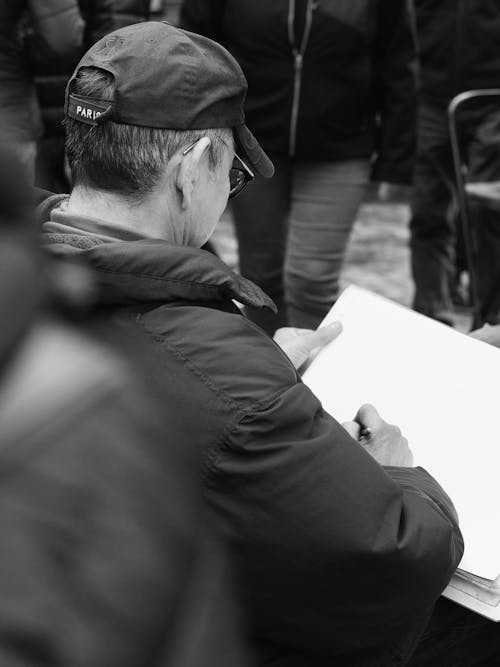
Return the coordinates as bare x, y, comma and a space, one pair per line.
54, 30
459, 46
357, 66
340, 560
103, 561
104, 16
101, 17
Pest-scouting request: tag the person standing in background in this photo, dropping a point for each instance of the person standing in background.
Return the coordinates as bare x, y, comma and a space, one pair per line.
332, 98
459, 49
166, 10
101, 17
104, 16
51, 30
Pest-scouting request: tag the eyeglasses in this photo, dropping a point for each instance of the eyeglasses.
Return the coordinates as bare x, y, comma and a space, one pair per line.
240, 176
240, 173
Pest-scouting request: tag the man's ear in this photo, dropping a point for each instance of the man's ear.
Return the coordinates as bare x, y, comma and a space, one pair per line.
189, 170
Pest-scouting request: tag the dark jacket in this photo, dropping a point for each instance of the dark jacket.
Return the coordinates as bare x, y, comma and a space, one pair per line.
322, 103
104, 16
52, 29
101, 17
103, 561
340, 560
459, 46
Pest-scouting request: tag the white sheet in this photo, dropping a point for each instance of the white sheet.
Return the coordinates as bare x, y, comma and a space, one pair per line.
440, 387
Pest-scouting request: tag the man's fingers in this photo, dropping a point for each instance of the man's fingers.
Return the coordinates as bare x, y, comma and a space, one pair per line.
320, 337
410, 460
326, 334
368, 417
488, 334
308, 337
353, 428
298, 344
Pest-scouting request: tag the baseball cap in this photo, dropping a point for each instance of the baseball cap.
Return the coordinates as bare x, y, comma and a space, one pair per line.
168, 78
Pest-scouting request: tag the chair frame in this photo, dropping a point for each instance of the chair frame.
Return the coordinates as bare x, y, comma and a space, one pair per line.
460, 167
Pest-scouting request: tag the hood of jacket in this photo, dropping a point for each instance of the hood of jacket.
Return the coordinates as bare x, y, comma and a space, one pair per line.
150, 270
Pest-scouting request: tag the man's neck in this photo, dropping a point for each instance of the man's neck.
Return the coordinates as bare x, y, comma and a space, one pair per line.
143, 218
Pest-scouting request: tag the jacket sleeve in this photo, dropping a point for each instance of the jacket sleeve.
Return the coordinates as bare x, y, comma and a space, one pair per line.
395, 92
204, 17
339, 554
57, 29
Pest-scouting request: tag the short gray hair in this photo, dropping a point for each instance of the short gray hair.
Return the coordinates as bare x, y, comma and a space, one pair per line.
125, 159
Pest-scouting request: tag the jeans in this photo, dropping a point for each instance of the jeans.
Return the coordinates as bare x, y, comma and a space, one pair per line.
433, 225
292, 234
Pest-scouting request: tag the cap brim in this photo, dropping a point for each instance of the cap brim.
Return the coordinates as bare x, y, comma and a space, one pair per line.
250, 149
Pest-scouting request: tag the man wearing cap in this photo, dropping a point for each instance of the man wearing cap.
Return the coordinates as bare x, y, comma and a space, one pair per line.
341, 549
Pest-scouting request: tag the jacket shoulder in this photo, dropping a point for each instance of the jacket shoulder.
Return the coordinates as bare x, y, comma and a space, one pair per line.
226, 350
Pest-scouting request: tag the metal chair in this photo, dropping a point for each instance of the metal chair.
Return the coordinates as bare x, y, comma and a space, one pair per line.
485, 191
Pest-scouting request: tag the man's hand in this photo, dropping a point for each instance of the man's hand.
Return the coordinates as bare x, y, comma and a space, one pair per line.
488, 334
299, 344
381, 440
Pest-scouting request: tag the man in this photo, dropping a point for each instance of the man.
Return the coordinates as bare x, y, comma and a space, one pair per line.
53, 30
101, 17
340, 559
332, 98
103, 561
459, 49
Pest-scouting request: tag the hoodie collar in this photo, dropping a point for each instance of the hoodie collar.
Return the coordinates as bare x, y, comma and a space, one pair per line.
133, 271
59, 220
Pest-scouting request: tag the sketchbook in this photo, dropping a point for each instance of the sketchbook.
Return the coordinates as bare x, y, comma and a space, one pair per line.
441, 388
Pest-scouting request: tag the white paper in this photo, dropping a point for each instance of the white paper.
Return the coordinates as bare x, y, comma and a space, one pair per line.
472, 596
440, 387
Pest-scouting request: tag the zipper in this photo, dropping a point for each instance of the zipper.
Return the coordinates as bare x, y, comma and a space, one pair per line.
297, 85
298, 62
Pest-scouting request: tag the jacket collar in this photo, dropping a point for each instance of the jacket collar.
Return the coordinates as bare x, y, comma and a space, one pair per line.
134, 272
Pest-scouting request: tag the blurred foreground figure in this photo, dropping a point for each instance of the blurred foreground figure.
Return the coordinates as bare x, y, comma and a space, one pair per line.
51, 31
104, 562
459, 49
101, 17
332, 99
341, 547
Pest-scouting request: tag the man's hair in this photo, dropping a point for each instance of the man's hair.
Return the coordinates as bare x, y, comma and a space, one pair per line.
125, 159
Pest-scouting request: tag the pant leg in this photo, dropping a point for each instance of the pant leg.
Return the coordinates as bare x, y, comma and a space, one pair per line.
432, 225
457, 637
325, 200
484, 165
260, 216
